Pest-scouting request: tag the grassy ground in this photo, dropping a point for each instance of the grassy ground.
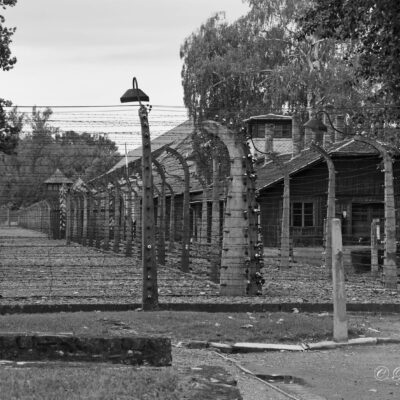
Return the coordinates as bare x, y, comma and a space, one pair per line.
262, 327
58, 381
88, 382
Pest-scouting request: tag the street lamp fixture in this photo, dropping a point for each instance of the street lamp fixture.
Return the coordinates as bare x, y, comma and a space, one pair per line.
149, 266
316, 124
134, 94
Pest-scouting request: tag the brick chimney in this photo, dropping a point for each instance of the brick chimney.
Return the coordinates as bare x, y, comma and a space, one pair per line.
329, 134
296, 136
269, 138
339, 125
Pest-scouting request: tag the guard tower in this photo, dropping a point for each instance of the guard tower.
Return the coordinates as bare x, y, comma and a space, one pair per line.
270, 133
55, 182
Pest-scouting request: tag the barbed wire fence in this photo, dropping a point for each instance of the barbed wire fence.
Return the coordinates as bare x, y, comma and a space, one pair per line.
101, 221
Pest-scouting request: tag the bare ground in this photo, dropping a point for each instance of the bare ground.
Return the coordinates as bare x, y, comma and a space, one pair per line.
35, 270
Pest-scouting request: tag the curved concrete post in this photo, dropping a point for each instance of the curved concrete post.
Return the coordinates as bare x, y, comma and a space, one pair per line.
239, 261
79, 226
117, 215
186, 209
62, 205
215, 223
90, 218
98, 226
285, 227
161, 213
331, 205
138, 216
85, 218
75, 214
171, 236
389, 264
106, 218
68, 216
204, 209
129, 205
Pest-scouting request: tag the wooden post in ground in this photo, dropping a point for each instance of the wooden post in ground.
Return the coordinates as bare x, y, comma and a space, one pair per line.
374, 247
340, 332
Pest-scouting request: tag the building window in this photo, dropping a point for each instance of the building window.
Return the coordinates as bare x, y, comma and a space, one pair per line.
282, 130
302, 214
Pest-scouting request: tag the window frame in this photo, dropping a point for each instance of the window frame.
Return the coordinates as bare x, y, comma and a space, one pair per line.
303, 215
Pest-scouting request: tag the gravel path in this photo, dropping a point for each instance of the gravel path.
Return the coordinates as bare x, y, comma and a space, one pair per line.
250, 388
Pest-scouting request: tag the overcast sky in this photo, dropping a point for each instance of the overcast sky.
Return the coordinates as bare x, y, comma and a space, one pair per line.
85, 52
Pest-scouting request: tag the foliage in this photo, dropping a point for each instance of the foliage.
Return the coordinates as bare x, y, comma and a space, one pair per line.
258, 65
10, 128
8, 132
374, 28
6, 60
44, 150
215, 80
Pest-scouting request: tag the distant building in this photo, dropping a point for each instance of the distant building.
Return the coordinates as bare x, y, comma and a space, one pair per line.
54, 183
270, 133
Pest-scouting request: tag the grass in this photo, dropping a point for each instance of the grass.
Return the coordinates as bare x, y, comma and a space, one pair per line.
179, 326
88, 382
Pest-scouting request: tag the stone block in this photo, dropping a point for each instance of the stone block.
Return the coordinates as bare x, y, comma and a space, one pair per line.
155, 351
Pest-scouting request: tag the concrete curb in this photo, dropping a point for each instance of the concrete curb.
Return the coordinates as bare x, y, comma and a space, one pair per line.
388, 308
263, 347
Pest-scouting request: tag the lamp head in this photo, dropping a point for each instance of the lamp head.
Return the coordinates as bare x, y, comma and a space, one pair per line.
316, 125
134, 94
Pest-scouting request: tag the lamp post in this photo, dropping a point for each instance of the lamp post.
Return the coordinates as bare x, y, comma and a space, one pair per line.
149, 266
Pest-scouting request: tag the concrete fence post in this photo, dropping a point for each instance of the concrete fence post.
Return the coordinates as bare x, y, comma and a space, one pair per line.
374, 247
340, 332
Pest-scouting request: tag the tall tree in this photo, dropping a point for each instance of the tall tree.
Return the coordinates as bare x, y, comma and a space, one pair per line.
44, 150
9, 134
373, 26
261, 63
6, 60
